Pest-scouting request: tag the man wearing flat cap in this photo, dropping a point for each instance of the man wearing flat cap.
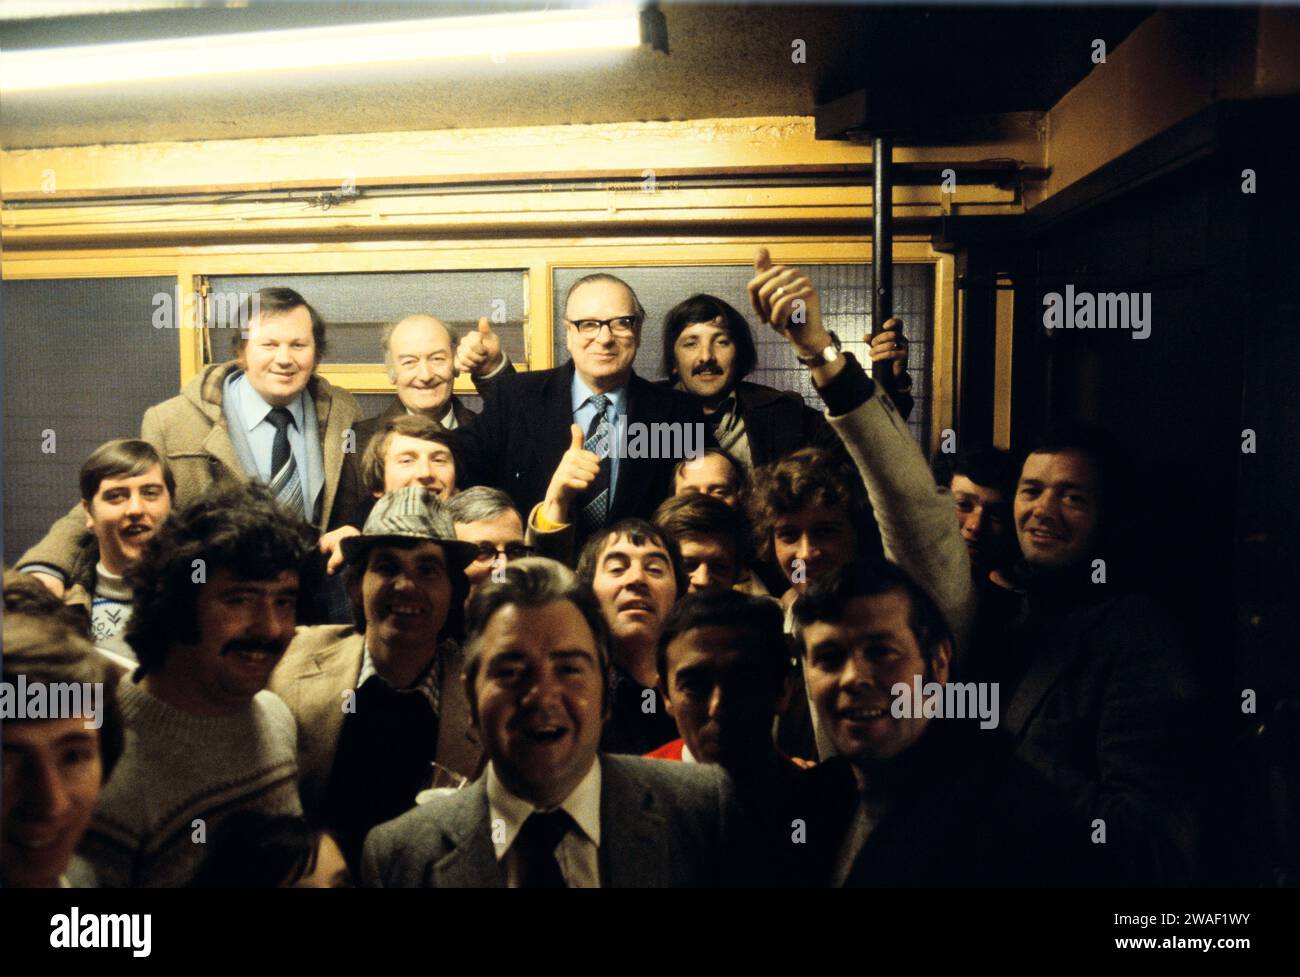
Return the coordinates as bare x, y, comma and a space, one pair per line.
379, 705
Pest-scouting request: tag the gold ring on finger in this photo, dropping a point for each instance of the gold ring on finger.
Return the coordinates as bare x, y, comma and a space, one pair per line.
780, 291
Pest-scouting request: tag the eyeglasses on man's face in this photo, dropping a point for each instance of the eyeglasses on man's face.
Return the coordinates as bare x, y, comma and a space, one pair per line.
620, 327
487, 552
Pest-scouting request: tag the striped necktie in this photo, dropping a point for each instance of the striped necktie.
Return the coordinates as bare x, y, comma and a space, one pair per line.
594, 501
285, 483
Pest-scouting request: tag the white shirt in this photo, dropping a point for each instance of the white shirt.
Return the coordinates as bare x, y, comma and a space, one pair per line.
578, 853
448, 420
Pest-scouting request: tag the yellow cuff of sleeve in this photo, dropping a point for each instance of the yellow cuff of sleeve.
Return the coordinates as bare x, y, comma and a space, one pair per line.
541, 523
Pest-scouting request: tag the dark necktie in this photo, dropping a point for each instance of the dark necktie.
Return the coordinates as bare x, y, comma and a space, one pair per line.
285, 483
594, 502
536, 843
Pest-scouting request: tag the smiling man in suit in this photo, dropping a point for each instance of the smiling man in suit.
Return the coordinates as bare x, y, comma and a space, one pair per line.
554, 436
418, 356
378, 703
265, 416
551, 810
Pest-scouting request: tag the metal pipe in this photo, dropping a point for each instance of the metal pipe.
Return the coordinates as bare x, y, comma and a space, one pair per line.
882, 241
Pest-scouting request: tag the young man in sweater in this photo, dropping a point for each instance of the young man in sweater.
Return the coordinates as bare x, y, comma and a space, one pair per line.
126, 491
216, 601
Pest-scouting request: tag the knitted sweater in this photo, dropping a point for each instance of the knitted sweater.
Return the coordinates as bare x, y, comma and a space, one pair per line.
179, 777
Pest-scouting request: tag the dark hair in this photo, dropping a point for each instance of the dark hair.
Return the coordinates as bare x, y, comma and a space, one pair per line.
800, 480
272, 302
986, 466
757, 621
240, 528
253, 850
829, 595
47, 651
1110, 462
24, 594
703, 515
639, 533
602, 276
533, 581
123, 458
740, 478
411, 425
706, 308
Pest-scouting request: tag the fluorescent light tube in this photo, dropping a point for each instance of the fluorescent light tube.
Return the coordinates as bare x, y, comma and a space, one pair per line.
262, 52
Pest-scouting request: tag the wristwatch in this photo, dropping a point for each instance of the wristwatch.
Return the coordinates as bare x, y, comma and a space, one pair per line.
829, 355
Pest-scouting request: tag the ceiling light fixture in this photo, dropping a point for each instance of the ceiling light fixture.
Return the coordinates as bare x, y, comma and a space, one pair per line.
494, 36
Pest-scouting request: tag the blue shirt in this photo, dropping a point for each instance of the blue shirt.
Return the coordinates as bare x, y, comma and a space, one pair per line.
615, 413
254, 436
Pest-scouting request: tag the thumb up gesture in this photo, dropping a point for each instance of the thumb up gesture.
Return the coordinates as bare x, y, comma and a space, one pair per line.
479, 352
576, 470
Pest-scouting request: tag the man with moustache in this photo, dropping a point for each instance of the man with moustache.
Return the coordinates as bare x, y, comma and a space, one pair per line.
708, 351
379, 703
216, 601
265, 416
552, 811
549, 438
419, 357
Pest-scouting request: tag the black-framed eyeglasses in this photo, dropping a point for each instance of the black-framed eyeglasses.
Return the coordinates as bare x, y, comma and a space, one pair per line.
487, 552
620, 326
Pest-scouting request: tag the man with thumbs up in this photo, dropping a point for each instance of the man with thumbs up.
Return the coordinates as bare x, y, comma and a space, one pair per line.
551, 438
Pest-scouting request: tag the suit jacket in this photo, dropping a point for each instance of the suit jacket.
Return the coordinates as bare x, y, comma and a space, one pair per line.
190, 431
323, 662
1106, 711
367, 429
969, 813
778, 422
518, 440
663, 825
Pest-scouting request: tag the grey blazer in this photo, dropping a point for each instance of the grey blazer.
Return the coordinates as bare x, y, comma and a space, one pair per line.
663, 825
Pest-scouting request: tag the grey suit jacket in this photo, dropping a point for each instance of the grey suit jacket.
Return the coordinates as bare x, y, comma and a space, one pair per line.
663, 825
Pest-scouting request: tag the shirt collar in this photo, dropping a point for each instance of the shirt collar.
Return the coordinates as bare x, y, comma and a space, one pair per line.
582, 804
581, 393
253, 409
428, 684
687, 755
448, 420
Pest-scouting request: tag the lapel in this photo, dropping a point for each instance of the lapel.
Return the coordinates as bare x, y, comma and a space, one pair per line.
217, 443
462, 413
634, 841
549, 426
331, 440
633, 479
471, 863
458, 750
1049, 665
313, 693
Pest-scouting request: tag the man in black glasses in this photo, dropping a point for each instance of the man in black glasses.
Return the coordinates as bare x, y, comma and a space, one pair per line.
487, 518
585, 444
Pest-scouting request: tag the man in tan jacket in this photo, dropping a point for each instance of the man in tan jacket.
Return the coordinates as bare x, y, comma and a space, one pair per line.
380, 708
264, 416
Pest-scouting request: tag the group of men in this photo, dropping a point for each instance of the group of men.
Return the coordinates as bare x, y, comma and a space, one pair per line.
439, 648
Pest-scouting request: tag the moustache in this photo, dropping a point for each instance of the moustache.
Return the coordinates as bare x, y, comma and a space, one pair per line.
711, 368
270, 647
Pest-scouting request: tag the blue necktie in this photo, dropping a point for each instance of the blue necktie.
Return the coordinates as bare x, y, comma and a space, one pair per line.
285, 483
594, 501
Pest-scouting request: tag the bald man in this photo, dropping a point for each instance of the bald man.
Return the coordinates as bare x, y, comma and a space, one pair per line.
419, 353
